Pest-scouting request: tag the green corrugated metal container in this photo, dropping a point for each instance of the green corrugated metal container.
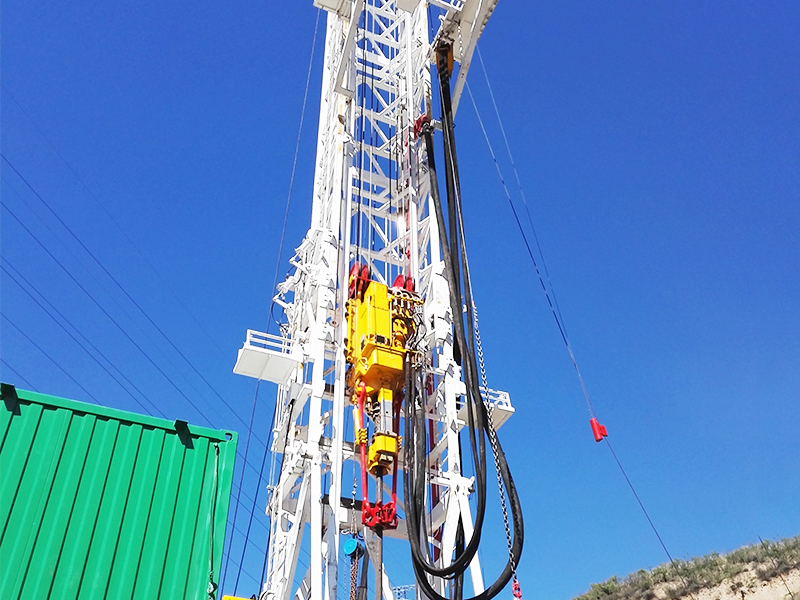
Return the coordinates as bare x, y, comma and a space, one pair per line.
101, 503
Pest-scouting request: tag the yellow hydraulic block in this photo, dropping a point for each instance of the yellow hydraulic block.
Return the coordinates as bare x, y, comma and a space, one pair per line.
380, 321
378, 325
382, 450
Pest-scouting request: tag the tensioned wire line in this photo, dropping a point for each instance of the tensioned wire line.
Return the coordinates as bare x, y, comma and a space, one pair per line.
138, 391
113, 320
241, 481
255, 499
114, 279
52, 360
77, 341
238, 452
125, 292
270, 319
561, 329
111, 218
519, 186
119, 227
18, 374
105, 312
111, 276
4, 266
547, 295
294, 164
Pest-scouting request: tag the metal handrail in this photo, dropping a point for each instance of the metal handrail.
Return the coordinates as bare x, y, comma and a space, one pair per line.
267, 341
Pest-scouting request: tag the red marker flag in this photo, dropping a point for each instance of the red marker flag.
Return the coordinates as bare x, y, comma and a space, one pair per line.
598, 430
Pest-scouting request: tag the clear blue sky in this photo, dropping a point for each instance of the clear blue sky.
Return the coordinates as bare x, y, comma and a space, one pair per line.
659, 147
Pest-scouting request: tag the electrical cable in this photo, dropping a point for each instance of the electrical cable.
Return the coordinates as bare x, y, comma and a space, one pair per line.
111, 218
255, 499
238, 452
39, 348
105, 312
554, 305
112, 319
241, 478
97, 350
88, 271
19, 376
290, 407
125, 292
247, 497
69, 333
519, 185
272, 303
235, 564
96, 281
92, 345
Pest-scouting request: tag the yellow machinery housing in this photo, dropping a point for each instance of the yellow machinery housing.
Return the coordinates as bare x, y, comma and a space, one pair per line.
379, 322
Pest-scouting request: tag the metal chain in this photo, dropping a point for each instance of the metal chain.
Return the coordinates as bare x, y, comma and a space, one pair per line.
353, 576
353, 527
493, 440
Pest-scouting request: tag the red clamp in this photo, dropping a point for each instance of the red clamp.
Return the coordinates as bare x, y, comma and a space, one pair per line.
516, 590
598, 430
381, 515
420, 123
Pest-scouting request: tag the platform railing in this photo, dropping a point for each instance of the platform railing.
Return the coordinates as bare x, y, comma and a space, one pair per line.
268, 341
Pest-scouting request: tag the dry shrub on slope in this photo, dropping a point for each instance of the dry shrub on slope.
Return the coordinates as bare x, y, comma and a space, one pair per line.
766, 561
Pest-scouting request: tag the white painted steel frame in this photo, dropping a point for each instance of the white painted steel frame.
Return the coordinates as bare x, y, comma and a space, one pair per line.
371, 203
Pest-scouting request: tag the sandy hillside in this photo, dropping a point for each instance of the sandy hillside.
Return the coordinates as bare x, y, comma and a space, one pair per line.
769, 570
745, 586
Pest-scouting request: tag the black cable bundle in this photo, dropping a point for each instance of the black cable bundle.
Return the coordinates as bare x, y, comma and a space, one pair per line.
455, 260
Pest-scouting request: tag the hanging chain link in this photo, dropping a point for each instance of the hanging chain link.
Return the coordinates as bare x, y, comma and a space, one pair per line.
353, 527
493, 440
353, 576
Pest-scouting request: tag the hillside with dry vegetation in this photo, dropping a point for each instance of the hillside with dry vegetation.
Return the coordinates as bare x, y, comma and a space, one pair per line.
765, 571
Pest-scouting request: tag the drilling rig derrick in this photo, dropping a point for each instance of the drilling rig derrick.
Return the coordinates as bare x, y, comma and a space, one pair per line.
370, 331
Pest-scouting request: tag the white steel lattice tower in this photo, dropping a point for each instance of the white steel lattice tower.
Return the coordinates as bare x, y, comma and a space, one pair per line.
371, 205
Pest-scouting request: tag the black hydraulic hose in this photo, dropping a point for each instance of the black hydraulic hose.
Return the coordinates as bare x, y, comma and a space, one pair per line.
458, 584
470, 373
449, 131
457, 244
460, 562
450, 168
451, 181
449, 175
473, 396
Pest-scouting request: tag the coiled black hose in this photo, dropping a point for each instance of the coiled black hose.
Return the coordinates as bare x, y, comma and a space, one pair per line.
478, 421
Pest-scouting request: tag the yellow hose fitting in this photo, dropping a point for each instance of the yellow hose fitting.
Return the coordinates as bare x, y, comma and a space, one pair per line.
361, 436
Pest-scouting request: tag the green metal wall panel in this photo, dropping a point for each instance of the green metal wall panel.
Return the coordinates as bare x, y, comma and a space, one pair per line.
100, 503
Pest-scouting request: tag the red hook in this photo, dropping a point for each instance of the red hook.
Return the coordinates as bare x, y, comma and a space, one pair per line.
516, 590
